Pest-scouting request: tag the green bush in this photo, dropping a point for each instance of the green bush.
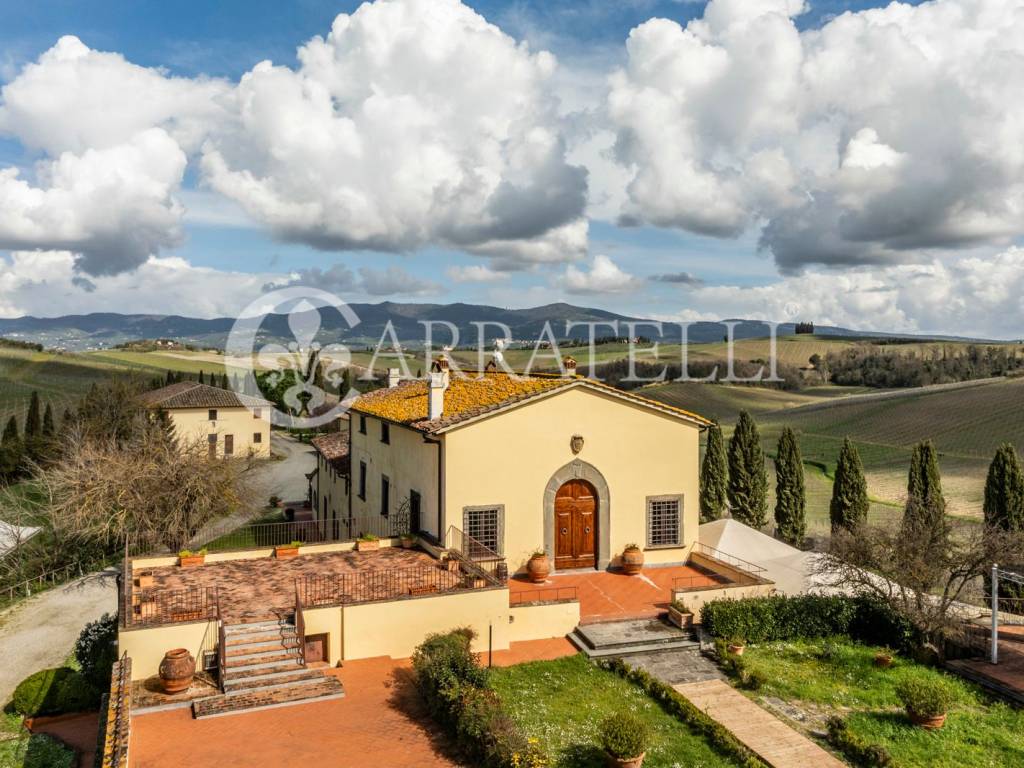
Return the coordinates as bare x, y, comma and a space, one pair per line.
624, 735
41, 751
53, 692
925, 695
856, 750
764, 619
96, 650
457, 693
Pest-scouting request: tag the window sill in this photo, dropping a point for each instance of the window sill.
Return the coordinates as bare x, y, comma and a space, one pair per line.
655, 547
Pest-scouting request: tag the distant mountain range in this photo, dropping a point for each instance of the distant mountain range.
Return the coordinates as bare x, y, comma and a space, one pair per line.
107, 329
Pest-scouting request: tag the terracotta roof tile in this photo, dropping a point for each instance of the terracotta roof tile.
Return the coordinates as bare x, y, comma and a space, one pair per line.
192, 394
478, 394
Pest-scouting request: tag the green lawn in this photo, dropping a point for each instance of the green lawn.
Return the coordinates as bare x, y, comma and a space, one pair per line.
561, 703
837, 676
19, 749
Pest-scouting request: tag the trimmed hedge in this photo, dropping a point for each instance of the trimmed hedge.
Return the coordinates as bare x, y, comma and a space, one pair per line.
53, 692
96, 650
456, 690
856, 750
673, 702
764, 619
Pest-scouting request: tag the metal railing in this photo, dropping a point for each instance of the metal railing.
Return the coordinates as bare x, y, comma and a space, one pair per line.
300, 626
390, 584
162, 606
543, 595
475, 555
736, 562
44, 580
703, 581
222, 655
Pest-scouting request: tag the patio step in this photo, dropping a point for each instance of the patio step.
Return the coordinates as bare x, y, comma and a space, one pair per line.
270, 679
260, 661
251, 627
288, 694
635, 636
259, 646
259, 670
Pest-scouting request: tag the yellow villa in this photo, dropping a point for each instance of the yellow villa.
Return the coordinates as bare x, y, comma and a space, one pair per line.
424, 516
228, 423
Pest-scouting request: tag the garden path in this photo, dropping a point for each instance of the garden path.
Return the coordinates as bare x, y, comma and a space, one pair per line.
772, 740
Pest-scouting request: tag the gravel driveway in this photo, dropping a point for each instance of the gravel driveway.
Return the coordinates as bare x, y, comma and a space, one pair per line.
286, 477
41, 631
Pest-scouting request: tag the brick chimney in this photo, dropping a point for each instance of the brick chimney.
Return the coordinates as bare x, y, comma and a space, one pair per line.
442, 366
393, 377
435, 394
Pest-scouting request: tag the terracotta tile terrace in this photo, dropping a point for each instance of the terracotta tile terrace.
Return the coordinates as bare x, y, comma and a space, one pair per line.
609, 595
263, 587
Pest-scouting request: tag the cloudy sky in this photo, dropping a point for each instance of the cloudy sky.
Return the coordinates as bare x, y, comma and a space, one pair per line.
839, 160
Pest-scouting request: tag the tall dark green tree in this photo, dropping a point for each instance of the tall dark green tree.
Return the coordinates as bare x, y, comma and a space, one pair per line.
748, 479
170, 378
10, 452
49, 428
33, 432
849, 506
790, 496
1004, 491
925, 502
713, 477
202, 378
224, 381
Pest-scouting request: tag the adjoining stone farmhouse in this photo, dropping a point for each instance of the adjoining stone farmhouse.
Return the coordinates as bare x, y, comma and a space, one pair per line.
423, 517
226, 422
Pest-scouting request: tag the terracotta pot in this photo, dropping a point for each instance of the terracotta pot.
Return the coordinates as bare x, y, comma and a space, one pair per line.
286, 553
538, 568
736, 649
192, 561
367, 546
176, 670
408, 543
883, 660
145, 579
632, 561
626, 762
680, 619
928, 723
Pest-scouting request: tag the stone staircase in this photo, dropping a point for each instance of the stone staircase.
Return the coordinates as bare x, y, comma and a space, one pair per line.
632, 637
263, 670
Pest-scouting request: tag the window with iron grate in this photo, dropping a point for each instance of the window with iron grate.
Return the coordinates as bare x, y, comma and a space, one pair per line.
664, 524
485, 525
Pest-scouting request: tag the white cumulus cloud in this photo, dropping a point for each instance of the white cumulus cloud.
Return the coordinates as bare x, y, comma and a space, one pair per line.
885, 131
603, 276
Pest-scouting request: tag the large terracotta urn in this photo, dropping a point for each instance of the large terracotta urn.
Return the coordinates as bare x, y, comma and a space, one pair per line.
177, 670
632, 560
538, 568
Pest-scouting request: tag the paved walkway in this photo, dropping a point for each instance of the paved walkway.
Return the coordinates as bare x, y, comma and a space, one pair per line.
772, 740
41, 631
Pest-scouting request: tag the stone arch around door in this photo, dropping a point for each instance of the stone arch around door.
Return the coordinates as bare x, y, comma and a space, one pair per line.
579, 470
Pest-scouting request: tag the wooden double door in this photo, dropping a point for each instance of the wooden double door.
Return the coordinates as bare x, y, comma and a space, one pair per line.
575, 525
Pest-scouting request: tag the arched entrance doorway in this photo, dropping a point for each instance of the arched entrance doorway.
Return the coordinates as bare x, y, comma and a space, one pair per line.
575, 525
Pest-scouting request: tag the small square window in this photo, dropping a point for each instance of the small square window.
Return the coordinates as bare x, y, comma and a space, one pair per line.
664, 528
362, 424
257, 437
485, 525
212, 415
385, 432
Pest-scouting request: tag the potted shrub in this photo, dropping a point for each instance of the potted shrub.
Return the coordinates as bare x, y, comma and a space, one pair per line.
883, 658
144, 579
736, 645
538, 567
367, 543
927, 700
287, 551
632, 559
408, 541
680, 615
189, 559
625, 738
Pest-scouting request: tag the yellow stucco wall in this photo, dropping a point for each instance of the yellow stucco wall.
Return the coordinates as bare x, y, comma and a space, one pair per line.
330, 492
194, 424
141, 563
146, 647
540, 622
409, 462
326, 620
396, 627
509, 459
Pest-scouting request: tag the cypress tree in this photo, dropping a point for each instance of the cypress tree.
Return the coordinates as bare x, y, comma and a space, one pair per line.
1004, 491
224, 381
849, 506
925, 503
170, 378
713, 476
10, 451
790, 497
49, 430
202, 379
748, 480
33, 429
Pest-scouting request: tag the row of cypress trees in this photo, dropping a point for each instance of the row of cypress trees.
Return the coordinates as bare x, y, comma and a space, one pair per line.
18, 448
735, 477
